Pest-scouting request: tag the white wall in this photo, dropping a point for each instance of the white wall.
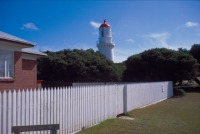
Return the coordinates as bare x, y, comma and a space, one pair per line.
107, 50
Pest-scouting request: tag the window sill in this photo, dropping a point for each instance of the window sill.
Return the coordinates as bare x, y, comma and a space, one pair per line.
6, 79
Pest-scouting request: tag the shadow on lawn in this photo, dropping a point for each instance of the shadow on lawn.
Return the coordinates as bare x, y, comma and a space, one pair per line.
180, 91
189, 89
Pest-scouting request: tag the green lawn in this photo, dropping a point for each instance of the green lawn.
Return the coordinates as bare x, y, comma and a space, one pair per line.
179, 115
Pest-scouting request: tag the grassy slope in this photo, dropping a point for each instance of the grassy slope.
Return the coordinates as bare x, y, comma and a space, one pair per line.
172, 116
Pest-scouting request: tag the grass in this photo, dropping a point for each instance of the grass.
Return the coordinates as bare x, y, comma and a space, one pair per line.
178, 115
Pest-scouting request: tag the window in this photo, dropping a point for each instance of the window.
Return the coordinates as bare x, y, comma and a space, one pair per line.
102, 33
6, 64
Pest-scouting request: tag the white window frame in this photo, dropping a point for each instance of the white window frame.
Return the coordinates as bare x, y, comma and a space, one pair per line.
8, 72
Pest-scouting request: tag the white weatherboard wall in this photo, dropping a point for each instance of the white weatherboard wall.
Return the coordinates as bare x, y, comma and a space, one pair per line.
77, 107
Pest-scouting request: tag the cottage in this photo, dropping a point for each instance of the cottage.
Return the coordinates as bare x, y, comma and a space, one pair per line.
18, 63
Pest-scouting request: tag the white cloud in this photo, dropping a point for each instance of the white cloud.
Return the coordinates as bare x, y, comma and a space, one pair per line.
95, 24
160, 38
191, 24
30, 26
129, 40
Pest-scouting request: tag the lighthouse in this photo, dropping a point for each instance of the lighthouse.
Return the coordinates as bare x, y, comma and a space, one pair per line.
105, 43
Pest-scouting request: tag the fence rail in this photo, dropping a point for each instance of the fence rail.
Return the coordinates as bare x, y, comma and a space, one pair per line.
78, 107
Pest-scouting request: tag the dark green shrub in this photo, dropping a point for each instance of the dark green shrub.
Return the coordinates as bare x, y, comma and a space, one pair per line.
179, 92
160, 64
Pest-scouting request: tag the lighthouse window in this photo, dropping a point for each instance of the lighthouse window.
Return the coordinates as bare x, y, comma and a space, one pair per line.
102, 32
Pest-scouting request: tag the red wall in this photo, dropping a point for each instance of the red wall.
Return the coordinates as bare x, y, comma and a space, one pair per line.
25, 74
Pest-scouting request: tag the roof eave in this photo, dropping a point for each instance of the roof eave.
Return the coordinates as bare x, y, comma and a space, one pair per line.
38, 54
20, 42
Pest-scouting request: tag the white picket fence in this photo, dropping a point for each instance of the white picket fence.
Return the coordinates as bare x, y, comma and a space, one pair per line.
78, 107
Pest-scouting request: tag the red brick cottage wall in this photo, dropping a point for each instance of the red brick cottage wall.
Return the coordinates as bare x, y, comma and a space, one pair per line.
25, 74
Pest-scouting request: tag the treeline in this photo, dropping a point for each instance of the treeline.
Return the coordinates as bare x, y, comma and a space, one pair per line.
157, 64
78, 66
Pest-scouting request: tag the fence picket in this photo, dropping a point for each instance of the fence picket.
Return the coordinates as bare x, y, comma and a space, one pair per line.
34, 108
55, 106
84, 107
49, 107
1, 112
19, 108
58, 106
4, 116
78, 110
23, 111
39, 105
14, 106
27, 108
31, 114
68, 111
45, 108
9, 112
64, 110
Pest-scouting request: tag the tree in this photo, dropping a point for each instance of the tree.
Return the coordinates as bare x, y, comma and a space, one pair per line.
160, 64
183, 50
121, 67
195, 51
77, 66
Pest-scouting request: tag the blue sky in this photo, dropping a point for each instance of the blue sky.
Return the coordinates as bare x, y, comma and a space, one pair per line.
136, 25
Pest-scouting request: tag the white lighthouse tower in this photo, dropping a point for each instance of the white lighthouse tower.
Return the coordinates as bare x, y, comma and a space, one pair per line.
105, 43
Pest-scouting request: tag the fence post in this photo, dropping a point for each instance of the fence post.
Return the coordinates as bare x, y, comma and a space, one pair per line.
125, 99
